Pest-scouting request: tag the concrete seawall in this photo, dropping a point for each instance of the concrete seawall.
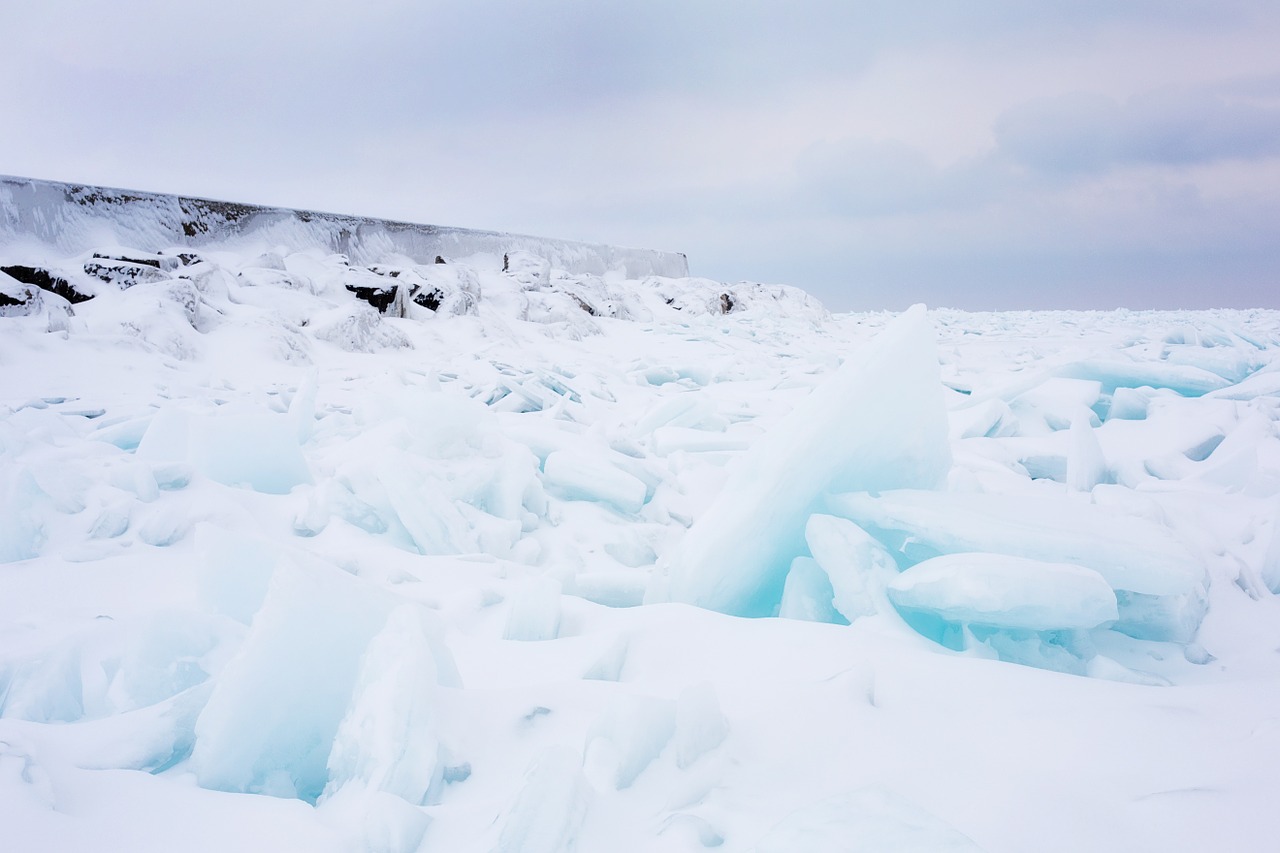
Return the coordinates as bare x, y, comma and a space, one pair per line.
74, 218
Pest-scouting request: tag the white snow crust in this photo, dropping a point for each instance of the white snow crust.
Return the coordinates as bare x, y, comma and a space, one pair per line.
281, 571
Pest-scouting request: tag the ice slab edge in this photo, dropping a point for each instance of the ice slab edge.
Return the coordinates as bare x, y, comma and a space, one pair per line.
75, 217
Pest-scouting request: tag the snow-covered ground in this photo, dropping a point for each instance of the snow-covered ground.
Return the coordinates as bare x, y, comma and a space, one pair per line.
546, 562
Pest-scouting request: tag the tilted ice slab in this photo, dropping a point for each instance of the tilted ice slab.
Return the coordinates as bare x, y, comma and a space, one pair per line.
280, 718
1159, 581
1006, 592
878, 423
1187, 380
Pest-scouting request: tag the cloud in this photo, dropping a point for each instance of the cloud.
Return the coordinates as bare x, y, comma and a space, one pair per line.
1083, 133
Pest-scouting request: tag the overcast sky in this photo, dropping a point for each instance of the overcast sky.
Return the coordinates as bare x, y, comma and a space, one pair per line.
968, 153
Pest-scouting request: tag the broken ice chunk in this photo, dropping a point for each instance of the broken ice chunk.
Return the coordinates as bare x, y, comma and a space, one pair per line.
1006, 592
388, 739
274, 711
1130, 404
807, 594
1184, 379
857, 565
1058, 401
1086, 466
1159, 584
254, 448
535, 611
1130, 552
23, 506
582, 476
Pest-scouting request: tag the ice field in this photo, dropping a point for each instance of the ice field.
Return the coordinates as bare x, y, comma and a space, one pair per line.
543, 561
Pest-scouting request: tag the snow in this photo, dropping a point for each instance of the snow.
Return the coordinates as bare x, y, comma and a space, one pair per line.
864, 821
473, 577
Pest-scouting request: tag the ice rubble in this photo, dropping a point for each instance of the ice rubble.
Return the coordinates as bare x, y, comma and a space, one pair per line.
1159, 583
401, 582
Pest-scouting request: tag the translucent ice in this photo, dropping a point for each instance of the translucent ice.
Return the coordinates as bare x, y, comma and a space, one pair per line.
426, 510
1131, 553
857, 565
583, 476
535, 611
807, 594
878, 423
1159, 584
270, 723
1006, 592
388, 739
1187, 380
1086, 466
254, 448
22, 504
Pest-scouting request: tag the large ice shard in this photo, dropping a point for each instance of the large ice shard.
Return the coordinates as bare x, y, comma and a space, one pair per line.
388, 740
878, 423
857, 565
274, 713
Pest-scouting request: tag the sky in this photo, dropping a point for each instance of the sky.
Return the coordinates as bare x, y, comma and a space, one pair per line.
980, 154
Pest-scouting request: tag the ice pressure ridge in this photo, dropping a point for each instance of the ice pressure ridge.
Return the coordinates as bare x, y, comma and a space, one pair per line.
426, 569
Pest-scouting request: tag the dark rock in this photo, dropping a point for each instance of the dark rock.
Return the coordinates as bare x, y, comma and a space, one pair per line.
46, 280
123, 274
160, 262
379, 297
16, 297
25, 300
440, 260
429, 298
726, 303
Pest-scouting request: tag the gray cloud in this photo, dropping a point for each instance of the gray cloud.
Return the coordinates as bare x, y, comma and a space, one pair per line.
770, 140
1089, 132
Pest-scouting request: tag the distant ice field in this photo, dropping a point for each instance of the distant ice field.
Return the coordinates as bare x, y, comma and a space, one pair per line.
300, 553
